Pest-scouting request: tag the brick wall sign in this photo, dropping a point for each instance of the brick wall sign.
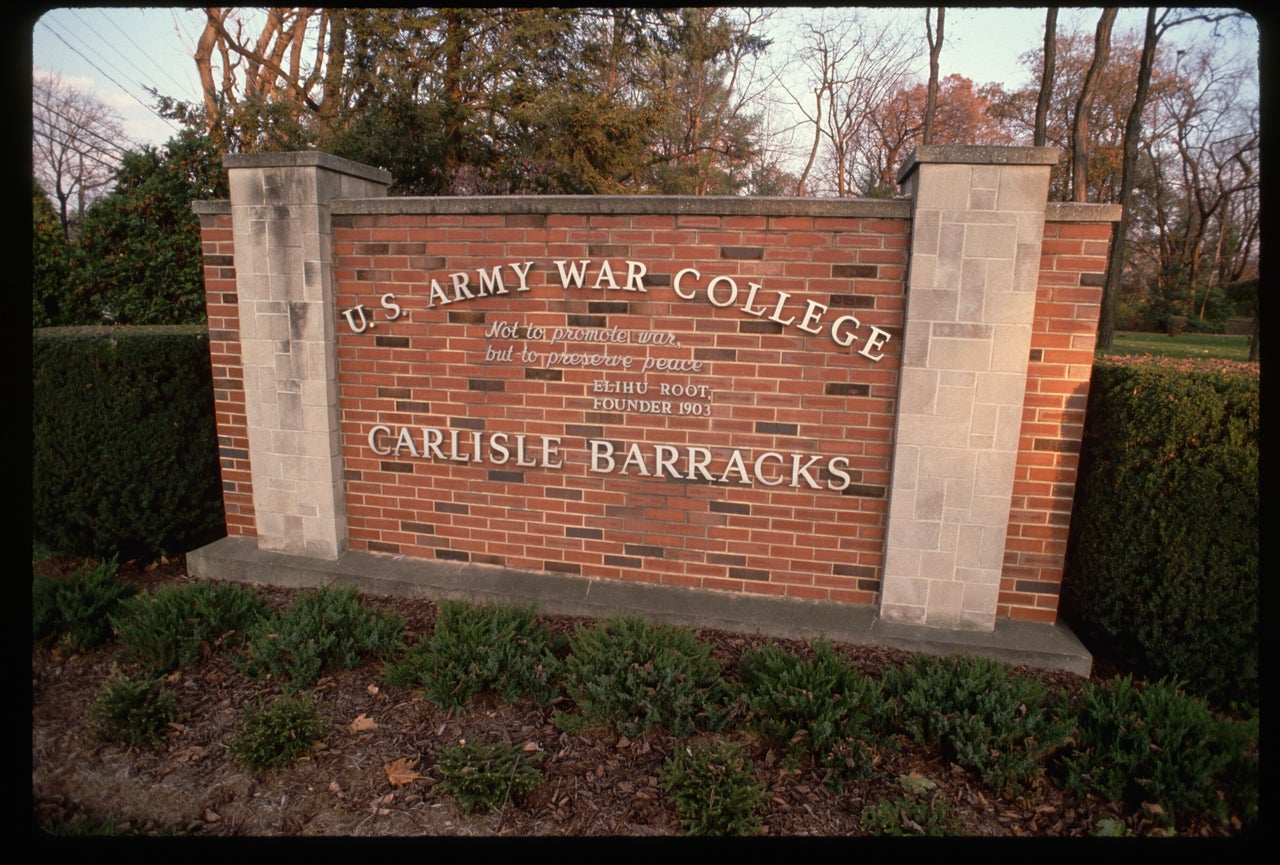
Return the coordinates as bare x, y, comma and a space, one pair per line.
862, 402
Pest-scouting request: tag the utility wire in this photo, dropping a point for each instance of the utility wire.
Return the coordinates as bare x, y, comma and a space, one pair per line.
100, 70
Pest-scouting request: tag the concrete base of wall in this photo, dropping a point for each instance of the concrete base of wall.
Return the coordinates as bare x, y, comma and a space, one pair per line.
1051, 647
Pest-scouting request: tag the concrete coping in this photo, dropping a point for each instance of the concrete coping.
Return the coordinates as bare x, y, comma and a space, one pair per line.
308, 159
1055, 211
977, 154
710, 205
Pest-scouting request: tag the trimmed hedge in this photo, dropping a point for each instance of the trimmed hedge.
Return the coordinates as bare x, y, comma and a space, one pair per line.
1163, 557
124, 446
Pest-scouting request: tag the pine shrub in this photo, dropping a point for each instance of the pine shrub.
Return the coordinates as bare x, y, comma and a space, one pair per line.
75, 612
819, 705
473, 649
272, 734
713, 788
322, 630
981, 713
486, 776
1158, 744
134, 710
634, 676
177, 626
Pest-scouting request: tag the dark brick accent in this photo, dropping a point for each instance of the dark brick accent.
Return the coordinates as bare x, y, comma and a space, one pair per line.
728, 508
846, 388
749, 574
584, 534
854, 271
769, 428
391, 341
487, 384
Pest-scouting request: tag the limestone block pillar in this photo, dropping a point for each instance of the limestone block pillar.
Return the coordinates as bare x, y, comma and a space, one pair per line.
978, 224
285, 291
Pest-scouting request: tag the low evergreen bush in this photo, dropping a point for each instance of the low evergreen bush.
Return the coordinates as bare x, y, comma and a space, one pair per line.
486, 776
634, 676
713, 789
1157, 744
75, 612
819, 705
321, 630
473, 649
911, 815
274, 733
178, 625
981, 713
135, 709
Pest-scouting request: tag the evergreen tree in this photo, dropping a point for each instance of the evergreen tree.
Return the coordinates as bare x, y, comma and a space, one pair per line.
139, 248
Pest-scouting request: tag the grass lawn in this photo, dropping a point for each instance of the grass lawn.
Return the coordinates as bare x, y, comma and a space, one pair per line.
1227, 347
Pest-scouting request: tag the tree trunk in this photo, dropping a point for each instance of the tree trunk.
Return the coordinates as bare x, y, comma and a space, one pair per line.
1080, 134
935, 49
1128, 170
1046, 77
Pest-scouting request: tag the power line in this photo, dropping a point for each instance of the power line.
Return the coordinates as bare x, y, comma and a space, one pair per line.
104, 74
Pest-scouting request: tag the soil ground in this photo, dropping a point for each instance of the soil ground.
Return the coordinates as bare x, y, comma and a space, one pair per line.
595, 784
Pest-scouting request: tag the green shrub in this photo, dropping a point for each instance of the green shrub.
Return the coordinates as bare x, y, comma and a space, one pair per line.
911, 814
1157, 744
177, 625
134, 710
1164, 549
472, 649
124, 448
487, 776
635, 677
322, 630
820, 705
272, 734
982, 714
713, 789
75, 612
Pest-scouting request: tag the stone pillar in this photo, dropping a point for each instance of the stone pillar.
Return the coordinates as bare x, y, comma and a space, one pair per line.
977, 229
284, 285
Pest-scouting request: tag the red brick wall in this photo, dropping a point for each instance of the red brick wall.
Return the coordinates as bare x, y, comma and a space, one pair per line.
228, 375
1073, 262
773, 388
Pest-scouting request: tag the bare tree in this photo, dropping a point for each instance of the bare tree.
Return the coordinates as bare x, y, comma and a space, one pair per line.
76, 144
1080, 132
851, 67
1158, 23
935, 50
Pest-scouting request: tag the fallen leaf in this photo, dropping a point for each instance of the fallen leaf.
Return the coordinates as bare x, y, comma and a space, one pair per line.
373, 690
361, 723
531, 746
916, 783
400, 772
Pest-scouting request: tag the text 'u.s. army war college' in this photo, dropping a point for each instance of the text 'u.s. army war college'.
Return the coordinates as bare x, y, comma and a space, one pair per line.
548, 348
